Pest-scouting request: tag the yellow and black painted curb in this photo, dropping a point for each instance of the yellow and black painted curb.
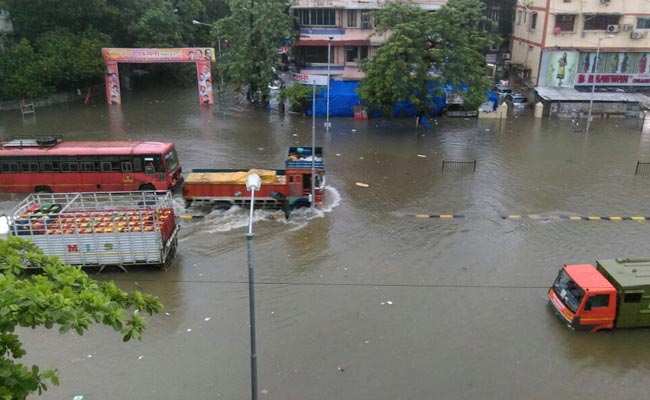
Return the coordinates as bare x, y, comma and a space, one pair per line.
440, 216
537, 217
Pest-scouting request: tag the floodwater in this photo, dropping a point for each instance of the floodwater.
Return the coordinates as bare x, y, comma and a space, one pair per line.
362, 300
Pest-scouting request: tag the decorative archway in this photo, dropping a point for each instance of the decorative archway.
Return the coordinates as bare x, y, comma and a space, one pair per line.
202, 56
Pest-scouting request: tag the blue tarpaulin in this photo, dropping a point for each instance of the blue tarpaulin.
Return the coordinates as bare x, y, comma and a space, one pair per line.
344, 97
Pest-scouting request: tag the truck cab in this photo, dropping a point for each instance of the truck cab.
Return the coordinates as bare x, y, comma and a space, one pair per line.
584, 298
299, 164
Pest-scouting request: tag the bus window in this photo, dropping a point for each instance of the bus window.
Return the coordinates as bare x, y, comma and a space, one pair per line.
106, 166
149, 168
47, 166
69, 166
9, 167
127, 166
88, 166
29, 166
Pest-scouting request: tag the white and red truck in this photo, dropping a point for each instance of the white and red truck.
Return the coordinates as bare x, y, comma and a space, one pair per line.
99, 228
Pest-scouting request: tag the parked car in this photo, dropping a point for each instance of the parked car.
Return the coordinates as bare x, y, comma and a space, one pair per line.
501, 90
516, 100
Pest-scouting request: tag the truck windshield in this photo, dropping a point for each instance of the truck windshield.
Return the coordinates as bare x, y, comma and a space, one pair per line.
567, 290
171, 159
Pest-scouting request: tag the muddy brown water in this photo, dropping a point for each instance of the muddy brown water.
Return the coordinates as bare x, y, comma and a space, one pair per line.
362, 300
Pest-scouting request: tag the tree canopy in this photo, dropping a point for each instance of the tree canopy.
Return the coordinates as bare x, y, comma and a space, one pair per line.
426, 51
254, 31
56, 45
61, 296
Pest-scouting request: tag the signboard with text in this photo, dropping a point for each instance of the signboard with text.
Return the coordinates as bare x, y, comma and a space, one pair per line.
306, 79
202, 56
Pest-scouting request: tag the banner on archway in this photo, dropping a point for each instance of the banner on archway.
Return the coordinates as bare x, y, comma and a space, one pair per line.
201, 56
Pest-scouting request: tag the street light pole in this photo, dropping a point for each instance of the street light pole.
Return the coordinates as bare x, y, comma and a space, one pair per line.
327, 121
253, 183
593, 81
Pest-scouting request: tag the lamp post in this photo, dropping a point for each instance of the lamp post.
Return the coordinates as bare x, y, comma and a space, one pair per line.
253, 183
195, 22
593, 81
327, 121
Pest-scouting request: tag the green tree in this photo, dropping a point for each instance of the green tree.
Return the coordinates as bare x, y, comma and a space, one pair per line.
424, 51
62, 296
254, 31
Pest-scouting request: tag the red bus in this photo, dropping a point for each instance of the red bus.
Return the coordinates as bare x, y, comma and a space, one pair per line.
50, 164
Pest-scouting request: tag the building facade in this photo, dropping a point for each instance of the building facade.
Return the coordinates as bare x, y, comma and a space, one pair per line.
589, 46
344, 29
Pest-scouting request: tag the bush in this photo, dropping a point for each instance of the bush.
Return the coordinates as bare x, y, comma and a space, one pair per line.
299, 97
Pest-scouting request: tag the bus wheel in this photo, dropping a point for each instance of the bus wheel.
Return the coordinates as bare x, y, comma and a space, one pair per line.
147, 187
43, 189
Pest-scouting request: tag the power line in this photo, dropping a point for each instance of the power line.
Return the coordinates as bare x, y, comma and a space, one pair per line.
405, 285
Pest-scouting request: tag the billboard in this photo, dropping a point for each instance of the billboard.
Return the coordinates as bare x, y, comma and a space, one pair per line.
613, 69
558, 68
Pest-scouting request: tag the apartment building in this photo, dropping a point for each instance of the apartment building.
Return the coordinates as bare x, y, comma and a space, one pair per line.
342, 28
565, 50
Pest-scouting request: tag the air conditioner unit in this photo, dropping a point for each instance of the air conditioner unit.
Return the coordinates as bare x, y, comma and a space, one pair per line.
505, 56
628, 27
637, 35
604, 1
613, 28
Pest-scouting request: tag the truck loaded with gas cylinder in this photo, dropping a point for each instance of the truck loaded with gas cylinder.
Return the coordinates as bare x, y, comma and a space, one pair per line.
286, 189
99, 228
613, 294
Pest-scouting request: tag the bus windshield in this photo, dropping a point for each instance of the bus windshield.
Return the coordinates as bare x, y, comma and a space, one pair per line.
171, 160
567, 290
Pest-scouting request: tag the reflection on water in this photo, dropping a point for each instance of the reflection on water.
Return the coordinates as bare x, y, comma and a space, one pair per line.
465, 294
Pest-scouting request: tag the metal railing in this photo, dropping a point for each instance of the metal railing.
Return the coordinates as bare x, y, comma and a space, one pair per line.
458, 166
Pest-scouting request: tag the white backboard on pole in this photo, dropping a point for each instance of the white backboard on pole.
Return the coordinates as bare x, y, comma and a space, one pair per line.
306, 79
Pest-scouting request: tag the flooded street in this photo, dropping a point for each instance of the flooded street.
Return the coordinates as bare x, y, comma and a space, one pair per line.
362, 300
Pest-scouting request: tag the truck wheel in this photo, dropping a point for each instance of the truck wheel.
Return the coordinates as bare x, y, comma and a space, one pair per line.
147, 187
222, 205
300, 204
43, 189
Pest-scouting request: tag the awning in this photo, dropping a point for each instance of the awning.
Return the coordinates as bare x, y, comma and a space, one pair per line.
337, 43
570, 94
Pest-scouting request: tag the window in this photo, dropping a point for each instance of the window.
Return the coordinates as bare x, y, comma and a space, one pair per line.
69, 166
596, 22
88, 166
642, 23
366, 20
318, 17
565, 22
632, 297
495, 14
356, 53
599, 300
47, 166
315, 54
9, 167
106, 166
127, 166
519, 16
29, 166
533, 21
352, 18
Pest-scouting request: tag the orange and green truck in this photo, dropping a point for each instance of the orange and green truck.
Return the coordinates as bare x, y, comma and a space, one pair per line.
612, 294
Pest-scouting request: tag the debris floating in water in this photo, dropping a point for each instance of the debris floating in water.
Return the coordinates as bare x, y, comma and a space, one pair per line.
422, 155
361, 184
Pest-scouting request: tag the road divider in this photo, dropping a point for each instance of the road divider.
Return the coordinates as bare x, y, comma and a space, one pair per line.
440, 216
536, 217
